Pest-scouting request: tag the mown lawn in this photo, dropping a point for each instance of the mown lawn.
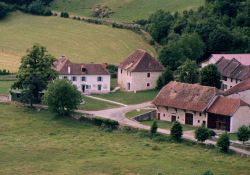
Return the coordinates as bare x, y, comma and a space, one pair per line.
130, 97
34, 142
127, 10
80, 41
135, 113
168, 125
96, 105
5, 86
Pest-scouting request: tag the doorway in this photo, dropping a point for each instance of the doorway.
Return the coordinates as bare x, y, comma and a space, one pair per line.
83, 88
173, 118
189, 119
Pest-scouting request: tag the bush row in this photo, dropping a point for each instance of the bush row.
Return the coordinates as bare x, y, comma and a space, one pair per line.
4, 72
101, 122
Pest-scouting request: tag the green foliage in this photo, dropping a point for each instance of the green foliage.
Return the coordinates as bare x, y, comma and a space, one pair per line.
165, 78
223, 142
210, 76
64, 14
112, 70
62, 97
176, 132
4, 72
181, 48
215, 25
243, 134
4, 9
154, 127
35, 73
211, 133
202, 134
188, 72
208, 173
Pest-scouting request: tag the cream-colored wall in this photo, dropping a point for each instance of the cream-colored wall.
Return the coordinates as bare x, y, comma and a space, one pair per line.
230, 83
244, 95
241, 117
166, 114
91, 80
138, 80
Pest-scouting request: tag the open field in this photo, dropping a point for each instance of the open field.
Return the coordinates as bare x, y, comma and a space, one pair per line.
168, 125
127, 10
34, 142
5, 86
80, 41
130, 97
96, 105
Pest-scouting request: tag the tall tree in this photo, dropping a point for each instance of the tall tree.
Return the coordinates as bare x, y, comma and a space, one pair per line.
210, 76
62, 97
188, 72
34, 74
165, 78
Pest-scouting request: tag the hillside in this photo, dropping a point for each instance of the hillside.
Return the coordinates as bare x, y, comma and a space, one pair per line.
80, 41
127, 10
37, 142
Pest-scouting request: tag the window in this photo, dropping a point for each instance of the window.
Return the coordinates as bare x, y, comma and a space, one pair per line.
175, 110
224, 86
148, 75
164, 115
83, 78
121, 71
83, 69
236, 81
99, 78
225, 78
200, 114
99, 87
198, 121
65, 77
204, 123
74, 78
148, 84
88, 87
231, 80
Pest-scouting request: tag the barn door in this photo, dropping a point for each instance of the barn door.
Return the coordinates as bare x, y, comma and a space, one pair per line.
189, 119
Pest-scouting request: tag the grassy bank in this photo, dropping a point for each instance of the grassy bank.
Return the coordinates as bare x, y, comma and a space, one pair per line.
34, 142
80, 41
126, 10
5, 86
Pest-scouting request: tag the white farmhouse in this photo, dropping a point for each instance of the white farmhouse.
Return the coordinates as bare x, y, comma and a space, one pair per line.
140, 71
88, 78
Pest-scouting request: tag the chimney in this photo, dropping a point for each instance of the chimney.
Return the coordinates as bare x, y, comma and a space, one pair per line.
69, 70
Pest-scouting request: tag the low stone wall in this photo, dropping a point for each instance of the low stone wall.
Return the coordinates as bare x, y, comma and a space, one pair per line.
147, 116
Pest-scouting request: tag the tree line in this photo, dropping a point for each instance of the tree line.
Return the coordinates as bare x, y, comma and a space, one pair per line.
218, 26
36, 7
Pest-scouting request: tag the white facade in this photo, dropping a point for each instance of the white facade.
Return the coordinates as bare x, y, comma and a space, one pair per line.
137, 81
228, 83
240, 117
174, 114
90, 84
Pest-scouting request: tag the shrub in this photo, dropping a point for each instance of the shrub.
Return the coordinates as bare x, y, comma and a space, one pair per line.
208, 173
38, 8
201, 134
243, 134
176, 131
154, 127
211, 133
64, 15
4, 72
223, 142
112, 124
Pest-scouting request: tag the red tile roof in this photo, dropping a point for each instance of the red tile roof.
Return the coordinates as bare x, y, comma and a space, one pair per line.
226, 106
141, 61
242, 86
192, 97
65, 67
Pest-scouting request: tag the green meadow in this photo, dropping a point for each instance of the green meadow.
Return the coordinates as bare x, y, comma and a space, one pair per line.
37, 142
126, 10
78, 40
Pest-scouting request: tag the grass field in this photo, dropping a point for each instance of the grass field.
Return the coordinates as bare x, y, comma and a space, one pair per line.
80, 41
127, 10
5, 86
168, 125
130, 97
96, 105
34, 142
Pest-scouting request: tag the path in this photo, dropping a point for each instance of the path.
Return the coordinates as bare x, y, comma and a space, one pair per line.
102, 99
118, 114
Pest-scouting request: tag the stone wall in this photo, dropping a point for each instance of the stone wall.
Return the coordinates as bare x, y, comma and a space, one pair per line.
147, 116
